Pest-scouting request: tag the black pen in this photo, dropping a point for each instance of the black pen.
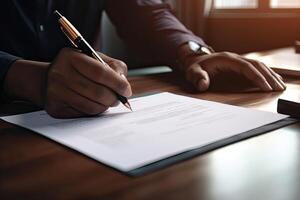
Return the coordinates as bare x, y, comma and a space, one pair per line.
79, 42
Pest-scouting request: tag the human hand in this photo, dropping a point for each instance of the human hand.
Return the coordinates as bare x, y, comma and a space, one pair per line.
201, 70
78, 85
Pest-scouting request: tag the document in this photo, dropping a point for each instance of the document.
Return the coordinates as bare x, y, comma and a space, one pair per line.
161, 125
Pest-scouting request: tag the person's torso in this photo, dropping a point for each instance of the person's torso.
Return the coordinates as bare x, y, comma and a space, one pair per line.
29, 29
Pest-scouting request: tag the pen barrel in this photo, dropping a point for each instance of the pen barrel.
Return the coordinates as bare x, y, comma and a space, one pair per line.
84, 46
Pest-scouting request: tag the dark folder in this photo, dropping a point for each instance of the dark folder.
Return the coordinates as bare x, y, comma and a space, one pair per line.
204, 149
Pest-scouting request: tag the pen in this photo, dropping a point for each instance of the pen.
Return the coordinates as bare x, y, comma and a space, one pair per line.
79, 42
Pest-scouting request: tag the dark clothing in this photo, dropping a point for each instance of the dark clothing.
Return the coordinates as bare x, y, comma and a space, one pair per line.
30, 31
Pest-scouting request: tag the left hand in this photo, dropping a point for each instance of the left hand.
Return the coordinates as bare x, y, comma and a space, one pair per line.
200, 70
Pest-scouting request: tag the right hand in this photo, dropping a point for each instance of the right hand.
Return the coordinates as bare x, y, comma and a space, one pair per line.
78, 85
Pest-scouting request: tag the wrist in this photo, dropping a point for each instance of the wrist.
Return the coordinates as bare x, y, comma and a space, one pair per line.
191, 52
26, 80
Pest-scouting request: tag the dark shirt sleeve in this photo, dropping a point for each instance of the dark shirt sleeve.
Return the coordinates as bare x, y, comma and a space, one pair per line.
151, 28
5, 62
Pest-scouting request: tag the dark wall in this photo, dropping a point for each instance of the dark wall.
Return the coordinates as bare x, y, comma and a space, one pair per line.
252, 34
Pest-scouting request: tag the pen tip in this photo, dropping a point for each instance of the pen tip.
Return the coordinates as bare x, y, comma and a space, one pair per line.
128, 106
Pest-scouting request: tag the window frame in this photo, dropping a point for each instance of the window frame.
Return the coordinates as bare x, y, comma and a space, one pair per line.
264, 7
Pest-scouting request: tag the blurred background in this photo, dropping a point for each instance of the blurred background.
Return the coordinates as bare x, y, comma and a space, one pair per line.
239, 26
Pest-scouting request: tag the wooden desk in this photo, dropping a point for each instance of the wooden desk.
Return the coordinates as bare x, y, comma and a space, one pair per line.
264, 167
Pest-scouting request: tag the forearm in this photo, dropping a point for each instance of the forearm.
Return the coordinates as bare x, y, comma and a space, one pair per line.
150, 27
26, 80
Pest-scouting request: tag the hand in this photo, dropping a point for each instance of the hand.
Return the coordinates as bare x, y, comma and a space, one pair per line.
78, 85
200, 70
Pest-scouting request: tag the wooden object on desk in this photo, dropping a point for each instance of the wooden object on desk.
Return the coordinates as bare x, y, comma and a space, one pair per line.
297, 46
264, 167
284, 61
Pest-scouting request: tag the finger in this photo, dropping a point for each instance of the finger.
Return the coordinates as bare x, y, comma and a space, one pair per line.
272, 79
249, 71
58, 109
92, 90
66, 112
76, 101
119, 66
279, 78
198, 77
96, 71
276, 77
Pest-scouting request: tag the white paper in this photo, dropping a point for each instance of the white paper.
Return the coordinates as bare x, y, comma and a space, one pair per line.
161, 125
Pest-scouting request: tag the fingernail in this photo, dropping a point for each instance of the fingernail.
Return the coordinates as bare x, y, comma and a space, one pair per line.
123, 76
281, 87
268, 87
283, 84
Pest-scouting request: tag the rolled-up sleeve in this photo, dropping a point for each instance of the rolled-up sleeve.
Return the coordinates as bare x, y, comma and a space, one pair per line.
6, 60
149, 27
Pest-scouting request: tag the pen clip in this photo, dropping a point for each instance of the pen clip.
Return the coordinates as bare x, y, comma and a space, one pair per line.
66, 34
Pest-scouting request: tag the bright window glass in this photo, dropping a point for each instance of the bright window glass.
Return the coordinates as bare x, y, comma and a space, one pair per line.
229, 4
285, 3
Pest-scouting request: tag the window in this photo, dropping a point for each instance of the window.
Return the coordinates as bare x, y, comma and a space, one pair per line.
219, 4
285, 3
263, 5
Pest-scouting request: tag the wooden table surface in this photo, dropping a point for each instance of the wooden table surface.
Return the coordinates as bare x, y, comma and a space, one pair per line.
263, 167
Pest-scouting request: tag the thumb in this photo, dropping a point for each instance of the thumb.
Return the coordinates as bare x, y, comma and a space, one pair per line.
117, 65
198, 77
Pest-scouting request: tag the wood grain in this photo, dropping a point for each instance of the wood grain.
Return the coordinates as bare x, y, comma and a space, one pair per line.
264, 167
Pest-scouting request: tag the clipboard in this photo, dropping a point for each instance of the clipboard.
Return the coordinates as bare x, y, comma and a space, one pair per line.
207, 148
